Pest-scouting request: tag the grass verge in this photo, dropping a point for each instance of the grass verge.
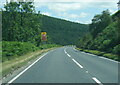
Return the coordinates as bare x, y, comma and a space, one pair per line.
8, 67
99, 53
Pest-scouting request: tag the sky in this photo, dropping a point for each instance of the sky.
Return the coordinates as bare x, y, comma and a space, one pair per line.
80, 11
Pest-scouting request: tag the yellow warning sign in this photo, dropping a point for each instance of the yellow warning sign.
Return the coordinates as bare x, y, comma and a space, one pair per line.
43, 36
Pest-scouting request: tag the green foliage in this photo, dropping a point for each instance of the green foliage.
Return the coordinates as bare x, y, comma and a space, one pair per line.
61, 31
111, 56
0, 51
99, 22
99, 53
21, 23
116, 49
14, 49
104, 35
79, 49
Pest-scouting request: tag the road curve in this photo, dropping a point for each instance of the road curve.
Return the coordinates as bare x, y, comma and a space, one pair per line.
67, 65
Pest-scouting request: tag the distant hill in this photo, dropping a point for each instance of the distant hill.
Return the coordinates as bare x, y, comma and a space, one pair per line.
61, 31
26, 27
20, 22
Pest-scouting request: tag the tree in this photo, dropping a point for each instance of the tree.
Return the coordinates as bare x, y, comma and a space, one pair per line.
99, 22
21, 23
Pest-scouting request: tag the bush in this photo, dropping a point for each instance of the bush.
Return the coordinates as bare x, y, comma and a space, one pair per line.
95, 52
116, 49
79, 49
12, 49
111, 56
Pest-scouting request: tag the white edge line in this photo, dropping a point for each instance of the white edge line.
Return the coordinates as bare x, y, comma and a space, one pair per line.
91, 54
26, 69
97, 81
74, 49
77, 63
108, 59
101, 57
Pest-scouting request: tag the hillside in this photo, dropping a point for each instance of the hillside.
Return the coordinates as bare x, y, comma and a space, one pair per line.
104, 34
26, 25
61, 31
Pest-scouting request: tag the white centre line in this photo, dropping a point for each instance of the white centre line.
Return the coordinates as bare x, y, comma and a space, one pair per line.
65, 50
77, 63
97, 81
68, 55
26, 69
73, 59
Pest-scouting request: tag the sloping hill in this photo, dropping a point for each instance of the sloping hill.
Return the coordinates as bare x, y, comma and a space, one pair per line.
108, 39
61, 31
26, 27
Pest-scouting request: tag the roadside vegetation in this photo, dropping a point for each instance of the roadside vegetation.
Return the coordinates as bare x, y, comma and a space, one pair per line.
99, 53
21, 40
13, 49
104, 36
18, 54
61, 31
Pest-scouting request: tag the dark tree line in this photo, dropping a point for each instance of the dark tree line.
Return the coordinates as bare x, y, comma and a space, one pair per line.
21, 23
63, 32
104, 33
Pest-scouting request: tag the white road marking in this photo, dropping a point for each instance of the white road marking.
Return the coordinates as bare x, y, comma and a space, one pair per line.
68, 55
108, 59
74, 49
86, 71
26, 69
65, 50
91, 54
73, 59
97, 81
77, 63
83, 52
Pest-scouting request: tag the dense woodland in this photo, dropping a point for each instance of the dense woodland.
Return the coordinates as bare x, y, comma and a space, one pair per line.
22, 27
63, 32
21, 23
104, 33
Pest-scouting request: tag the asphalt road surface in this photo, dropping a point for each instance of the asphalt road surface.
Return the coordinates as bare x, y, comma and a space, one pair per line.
67, 65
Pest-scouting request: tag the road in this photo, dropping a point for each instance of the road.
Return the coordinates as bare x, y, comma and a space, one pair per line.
67, 65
